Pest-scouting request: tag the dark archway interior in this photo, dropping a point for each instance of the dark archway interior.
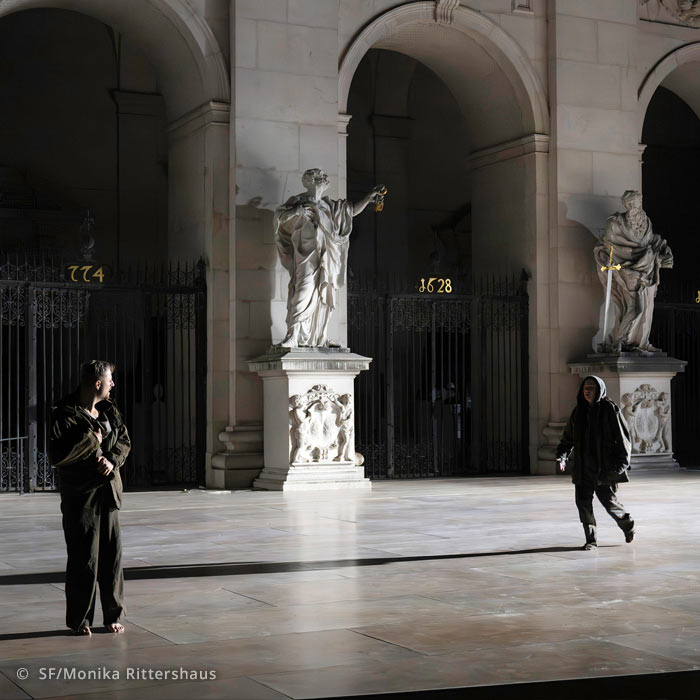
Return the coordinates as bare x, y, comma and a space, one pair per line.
407, 132
671, 177
83, 127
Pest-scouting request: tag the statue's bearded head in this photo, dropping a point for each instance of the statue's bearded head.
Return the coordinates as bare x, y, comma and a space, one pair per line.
314, 178
636, 216
632, 200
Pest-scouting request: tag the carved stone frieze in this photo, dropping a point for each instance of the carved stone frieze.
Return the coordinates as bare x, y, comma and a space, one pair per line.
686, 11
648, 415
321, 426
445, 10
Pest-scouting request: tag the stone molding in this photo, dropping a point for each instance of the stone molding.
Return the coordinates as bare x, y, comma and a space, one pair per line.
445, 10
523, 7
217, 113
629, 362
503, 49
343, 122
308, 360
534, 143
143, 104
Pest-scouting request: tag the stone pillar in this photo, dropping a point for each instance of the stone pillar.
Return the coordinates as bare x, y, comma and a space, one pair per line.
309, 419
198, 163
641, 386
143, 184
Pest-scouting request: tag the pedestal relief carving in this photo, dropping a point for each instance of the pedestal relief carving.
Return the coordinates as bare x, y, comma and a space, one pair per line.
320, 426
648, 415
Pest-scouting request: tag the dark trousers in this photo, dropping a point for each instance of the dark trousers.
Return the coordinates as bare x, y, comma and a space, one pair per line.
93, 541
607, 495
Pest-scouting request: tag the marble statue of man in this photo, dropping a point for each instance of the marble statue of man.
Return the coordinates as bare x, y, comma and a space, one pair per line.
641, 254
312, 236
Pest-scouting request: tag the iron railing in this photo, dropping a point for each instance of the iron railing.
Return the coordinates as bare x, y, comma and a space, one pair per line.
447, 390
150, 321
676, 330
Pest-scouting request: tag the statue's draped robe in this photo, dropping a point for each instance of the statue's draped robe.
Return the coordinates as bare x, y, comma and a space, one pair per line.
313, 248
634, 286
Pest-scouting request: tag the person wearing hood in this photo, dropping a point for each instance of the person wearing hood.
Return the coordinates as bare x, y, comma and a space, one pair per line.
88, 445
597, 436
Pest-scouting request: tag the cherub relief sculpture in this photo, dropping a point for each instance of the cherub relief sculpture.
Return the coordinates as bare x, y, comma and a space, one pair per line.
345, 423
299, 423
321, 426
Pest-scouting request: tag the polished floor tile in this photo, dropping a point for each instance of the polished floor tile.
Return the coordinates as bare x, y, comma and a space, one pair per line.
414, 585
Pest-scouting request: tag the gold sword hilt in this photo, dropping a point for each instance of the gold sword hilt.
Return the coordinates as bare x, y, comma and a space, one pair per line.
610, 266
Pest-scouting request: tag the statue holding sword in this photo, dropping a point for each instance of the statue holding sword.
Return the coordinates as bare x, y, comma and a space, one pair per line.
629, 258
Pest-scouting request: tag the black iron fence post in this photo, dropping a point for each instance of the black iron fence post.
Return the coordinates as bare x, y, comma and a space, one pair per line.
201, 371
31, 410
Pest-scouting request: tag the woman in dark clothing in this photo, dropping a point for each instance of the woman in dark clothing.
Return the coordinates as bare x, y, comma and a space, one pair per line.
597, 435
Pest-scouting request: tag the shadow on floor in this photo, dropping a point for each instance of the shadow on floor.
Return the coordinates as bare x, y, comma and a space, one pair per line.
675, 685
244, 568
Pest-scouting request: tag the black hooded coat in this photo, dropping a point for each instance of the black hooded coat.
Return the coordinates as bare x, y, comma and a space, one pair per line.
597, 437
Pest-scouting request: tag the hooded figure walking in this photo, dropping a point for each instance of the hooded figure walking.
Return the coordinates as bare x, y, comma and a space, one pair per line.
597, 435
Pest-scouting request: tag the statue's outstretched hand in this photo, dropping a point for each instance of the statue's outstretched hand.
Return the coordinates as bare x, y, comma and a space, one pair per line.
376, 191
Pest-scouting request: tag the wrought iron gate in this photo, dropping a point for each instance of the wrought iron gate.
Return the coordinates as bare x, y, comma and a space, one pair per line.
151, 323
676, 330
447, 390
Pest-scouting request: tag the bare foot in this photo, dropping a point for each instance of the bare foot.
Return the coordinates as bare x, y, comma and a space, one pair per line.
115, 628
83, 631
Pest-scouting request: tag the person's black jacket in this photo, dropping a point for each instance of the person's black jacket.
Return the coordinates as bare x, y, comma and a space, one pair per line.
611, 447
74, 448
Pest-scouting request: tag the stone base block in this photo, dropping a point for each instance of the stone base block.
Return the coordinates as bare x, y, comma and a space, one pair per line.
309, 419
234, 470
313, 477
653, 461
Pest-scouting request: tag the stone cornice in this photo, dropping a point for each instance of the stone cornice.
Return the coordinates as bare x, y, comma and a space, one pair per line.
629, 363
144, 104
534, 143
204, 115
301, 360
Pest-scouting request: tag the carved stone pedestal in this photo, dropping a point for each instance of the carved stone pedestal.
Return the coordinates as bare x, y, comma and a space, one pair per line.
641, 387
309, 419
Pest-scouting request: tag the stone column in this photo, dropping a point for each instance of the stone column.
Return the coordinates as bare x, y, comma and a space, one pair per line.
198, 163
309, 419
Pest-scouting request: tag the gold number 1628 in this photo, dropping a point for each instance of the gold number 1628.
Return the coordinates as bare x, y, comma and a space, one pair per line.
444, 286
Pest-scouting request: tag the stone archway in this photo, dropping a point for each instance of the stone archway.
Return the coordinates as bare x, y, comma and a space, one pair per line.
174, 36
677, 70
194, 80
505, 110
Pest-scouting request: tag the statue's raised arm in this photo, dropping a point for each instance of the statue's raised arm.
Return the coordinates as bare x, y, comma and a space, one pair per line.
312, 236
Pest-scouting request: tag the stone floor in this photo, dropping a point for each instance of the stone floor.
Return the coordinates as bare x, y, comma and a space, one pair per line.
416, 585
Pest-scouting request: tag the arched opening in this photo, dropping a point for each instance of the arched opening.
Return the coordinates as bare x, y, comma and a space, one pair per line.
83, 129
441, 114
117, 108
407, 131
670, 176
671, 181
